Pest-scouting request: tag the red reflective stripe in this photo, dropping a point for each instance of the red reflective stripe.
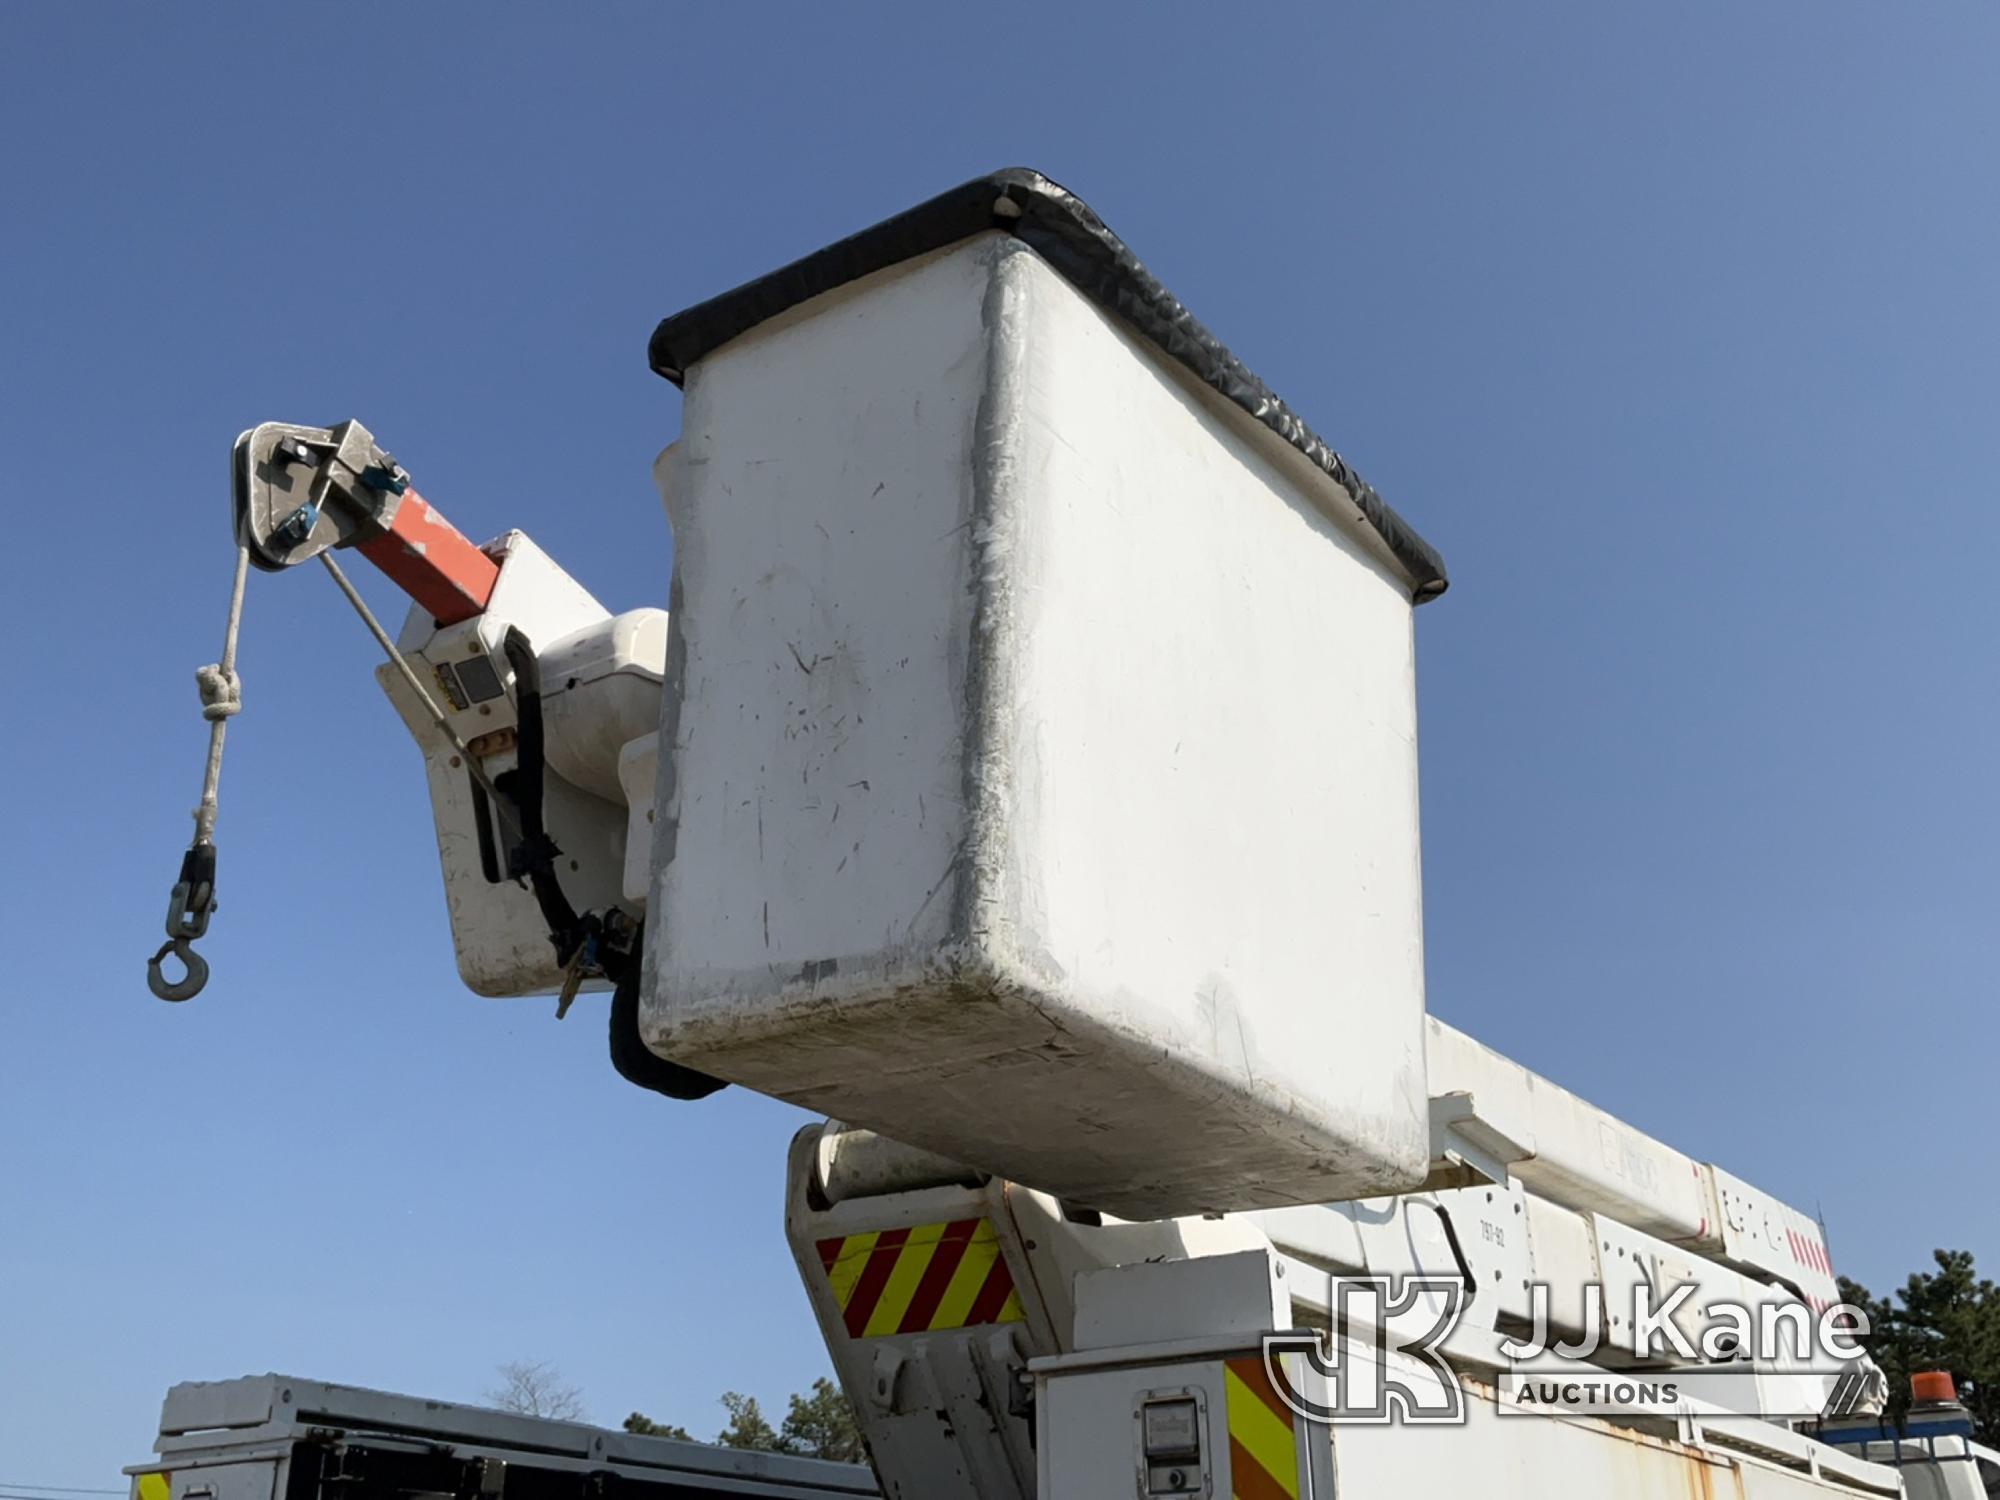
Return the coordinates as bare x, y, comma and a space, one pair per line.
1250, 1480
1256, 1378
874, 1277
937, 1276
993, 1295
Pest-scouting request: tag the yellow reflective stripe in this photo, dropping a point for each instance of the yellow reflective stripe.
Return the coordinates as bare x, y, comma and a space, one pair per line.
155, 1486
981, 1251
901, 1287
846, 1268
1010, 1310
1265, 1435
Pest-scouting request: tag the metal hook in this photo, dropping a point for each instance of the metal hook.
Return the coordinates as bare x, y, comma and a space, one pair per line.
190, 983
188, 911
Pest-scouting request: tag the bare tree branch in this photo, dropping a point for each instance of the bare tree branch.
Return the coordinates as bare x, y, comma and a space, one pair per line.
535, 1388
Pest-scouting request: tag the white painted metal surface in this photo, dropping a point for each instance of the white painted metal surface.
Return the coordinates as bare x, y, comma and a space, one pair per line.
1242, 1294
1136, 1297
1504, 1457
1580, 1155
638, 780
600, 692
498, 932
1761, 1233
1570, 1152
1042, 774
1089, 1444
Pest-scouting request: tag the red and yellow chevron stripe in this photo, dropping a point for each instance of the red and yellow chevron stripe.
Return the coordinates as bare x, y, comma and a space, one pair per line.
1263, 1439
920, 1280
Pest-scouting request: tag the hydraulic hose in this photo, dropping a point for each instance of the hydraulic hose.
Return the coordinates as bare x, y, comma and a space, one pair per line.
535, 857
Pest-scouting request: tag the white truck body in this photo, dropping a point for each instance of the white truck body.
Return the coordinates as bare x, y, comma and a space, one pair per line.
981, 1326
1027, 777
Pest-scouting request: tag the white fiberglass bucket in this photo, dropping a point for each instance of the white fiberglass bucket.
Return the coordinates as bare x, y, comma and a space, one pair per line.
1039, 772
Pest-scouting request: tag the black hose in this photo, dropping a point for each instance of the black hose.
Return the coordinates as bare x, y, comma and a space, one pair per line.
638, 1063
535, 857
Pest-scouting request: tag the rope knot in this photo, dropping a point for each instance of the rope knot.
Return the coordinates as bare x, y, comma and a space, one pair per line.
221, 692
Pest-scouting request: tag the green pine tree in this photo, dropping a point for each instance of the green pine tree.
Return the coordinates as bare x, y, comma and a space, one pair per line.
747, 1427
823, 1425
1948, 1319
819, 1424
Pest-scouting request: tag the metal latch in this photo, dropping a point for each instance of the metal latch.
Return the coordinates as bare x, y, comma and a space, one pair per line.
1172, 1442
1469, 1147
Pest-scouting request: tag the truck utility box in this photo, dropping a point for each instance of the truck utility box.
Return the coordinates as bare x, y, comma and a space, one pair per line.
276, 1437
1039, 769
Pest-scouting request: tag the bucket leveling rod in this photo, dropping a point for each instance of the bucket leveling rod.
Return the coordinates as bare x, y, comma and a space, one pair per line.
300, 493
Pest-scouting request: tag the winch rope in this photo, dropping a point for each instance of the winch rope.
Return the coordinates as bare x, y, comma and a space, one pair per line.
221, 701
193, 898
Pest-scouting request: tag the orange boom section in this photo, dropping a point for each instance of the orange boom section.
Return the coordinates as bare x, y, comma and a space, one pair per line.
429, 559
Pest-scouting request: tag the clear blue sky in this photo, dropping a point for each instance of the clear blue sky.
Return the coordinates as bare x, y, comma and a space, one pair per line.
1673, 327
